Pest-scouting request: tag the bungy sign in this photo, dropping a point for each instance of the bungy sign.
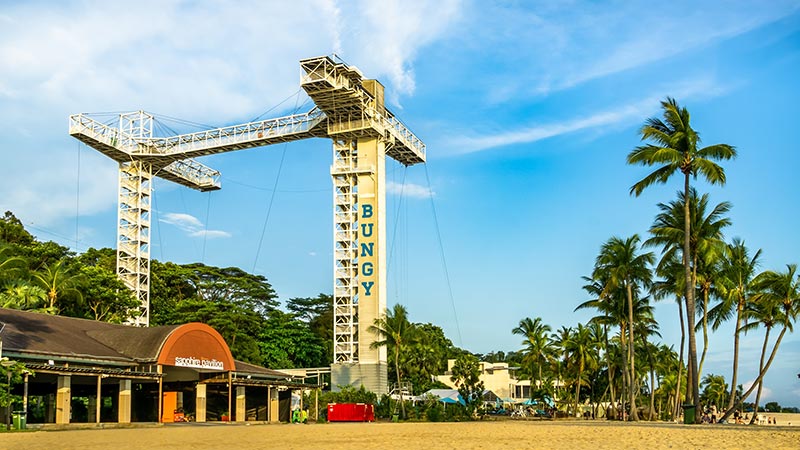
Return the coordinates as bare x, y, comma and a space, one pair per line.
199, 363
367, 256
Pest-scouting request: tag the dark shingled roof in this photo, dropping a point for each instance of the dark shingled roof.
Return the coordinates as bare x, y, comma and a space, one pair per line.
59, 336
49, 335
244, 367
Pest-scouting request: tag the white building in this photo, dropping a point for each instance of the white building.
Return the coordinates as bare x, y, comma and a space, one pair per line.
497, 377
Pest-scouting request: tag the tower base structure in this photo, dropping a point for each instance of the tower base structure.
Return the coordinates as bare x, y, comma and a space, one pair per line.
373, 376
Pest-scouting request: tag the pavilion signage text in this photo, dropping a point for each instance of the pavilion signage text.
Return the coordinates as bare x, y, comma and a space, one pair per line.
199, 363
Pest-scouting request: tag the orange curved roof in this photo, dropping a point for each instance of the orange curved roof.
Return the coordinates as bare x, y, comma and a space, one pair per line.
198, 346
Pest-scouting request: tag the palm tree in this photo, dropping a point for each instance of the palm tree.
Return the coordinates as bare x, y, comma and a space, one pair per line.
10, 266
705, 243
715, 388
667, 369
628, 269
778, 299
58, 281
394, 332
647, 326
674, 148
23, 296
603, 303
735, 289
670, 269
767, 315
537, 346
581, 348
558, 341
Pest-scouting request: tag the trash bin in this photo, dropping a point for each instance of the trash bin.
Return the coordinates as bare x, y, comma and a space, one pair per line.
19, 419
688, 414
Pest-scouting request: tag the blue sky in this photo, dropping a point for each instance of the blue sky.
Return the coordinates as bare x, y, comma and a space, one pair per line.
528, 111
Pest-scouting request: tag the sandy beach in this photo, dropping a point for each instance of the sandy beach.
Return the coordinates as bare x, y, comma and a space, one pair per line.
493, 435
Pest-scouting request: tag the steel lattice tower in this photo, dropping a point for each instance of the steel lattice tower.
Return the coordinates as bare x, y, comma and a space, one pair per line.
350, 110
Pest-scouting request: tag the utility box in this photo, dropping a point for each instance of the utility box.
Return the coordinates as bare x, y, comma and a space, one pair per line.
351, 412
20, 420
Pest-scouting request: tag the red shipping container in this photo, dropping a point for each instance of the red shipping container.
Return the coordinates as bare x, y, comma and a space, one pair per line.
351, 412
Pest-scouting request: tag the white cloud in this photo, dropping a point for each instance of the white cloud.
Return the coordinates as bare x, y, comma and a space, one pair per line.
44, 190
192, 226
186, 222
409, 190
766, 393
215, 62
210, 234
633, 111
384, 39
556, 46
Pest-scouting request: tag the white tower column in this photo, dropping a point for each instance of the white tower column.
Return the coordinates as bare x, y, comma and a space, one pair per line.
359, 301
133, 218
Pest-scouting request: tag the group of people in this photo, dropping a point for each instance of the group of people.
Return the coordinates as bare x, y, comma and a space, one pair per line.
710, 416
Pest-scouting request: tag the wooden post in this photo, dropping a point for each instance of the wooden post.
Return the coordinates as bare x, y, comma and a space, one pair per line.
230, 394
99, 399
63, 399
160, 393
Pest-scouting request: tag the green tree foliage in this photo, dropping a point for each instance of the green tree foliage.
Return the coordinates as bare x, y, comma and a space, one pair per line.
466, 374
426, 357
715, 390
60, 282
16, 373
286, 342
536, 345
394, 331
317, 313
629, 269
105, 295
170, 285
233, 285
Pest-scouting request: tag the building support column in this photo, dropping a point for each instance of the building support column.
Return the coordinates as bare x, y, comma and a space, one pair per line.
274, 416
230, 395
63, 399
124, 404
241, 404
269, 403
160, 394
25, 396
99, 398
200, 404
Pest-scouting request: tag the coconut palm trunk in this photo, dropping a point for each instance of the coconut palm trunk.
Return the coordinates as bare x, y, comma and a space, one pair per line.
676, 410
705, 331
609, 372
760, 369
693, 388
631, 356
758, 380
739, 309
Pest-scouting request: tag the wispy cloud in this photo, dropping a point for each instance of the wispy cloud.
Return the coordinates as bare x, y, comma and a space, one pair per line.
192, 226
204, 61
387, 47
409, 190
627, 113
766, 393
557, 46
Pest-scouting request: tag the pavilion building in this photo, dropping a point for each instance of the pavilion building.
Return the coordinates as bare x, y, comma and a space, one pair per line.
84, 371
